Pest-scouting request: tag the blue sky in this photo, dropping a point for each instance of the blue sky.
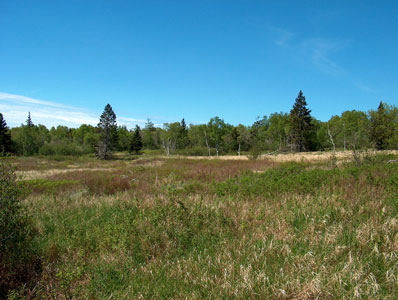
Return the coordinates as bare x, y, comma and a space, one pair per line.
165, 60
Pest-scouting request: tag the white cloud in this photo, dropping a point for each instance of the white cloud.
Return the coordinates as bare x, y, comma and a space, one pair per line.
363, 87
15, 110
321, 51
281, 36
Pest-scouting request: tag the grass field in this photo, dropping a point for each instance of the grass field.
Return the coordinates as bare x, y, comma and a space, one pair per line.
179, 228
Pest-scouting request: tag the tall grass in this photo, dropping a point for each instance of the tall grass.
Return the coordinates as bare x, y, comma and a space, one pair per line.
183, 229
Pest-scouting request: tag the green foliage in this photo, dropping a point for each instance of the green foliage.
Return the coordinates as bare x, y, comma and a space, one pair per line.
194, 151
62, 148
150, 136
301, 126
61, 133
297, 230
29, 122
46, 186
381, 127
287, 178
28, 138
5, 137
108, 131
279, 132
174, 136
142, 235
123, 138
18, 252
136, 141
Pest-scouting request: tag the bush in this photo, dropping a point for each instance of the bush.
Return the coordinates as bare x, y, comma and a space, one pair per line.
195, 151
19, 261
62, 149
255, 152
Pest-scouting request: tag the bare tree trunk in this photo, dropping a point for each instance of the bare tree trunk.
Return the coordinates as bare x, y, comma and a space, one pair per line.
344, 137
239, 150
172, 145
166, 146
280, 142
332, 141
207, 143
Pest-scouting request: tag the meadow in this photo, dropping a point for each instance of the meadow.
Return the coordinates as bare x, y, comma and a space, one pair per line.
154, 227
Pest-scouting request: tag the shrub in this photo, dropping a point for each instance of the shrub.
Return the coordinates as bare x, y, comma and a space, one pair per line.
195, 151
255, 152
62, 148
18, 255
47, 186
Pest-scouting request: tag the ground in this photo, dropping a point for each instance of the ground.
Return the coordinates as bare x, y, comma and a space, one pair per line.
282, 227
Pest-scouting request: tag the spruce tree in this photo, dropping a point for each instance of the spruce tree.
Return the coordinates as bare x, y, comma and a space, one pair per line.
31, 140
136, 141
5, 137
108, 131
381, 128
301, 128
183, 125
182, 139
29, 122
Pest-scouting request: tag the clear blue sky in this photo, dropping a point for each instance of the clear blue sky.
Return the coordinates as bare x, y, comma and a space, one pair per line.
65, 60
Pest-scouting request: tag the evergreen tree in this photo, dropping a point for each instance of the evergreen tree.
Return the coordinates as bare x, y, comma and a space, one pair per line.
29, 122
183, 140
5, 137
183, 125
28, 139
136, 141
301, 127
381, 128
108, 131
149, 135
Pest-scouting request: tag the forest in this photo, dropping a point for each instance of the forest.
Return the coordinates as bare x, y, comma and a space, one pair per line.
281, 132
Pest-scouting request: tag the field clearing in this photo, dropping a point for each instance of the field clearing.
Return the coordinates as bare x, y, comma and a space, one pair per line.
39, 170
284, 227
295, 157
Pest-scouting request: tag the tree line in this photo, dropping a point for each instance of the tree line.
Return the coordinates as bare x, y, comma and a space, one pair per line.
295, 131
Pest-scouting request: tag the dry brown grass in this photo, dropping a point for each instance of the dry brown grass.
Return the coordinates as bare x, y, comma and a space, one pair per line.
296, 157
337, 243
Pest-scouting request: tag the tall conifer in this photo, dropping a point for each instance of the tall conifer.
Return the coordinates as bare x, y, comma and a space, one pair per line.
301, 127
5, 137
108, 130
136, 141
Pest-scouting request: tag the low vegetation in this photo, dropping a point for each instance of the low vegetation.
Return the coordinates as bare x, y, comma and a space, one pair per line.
179, 228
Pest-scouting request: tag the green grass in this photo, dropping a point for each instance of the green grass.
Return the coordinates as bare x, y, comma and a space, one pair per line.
217, 230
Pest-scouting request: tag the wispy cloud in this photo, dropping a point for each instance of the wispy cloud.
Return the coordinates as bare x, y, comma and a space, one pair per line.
15, 109
321, 51
363, 87
282, 37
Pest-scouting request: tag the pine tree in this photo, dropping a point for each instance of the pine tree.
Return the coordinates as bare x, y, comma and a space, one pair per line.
381, 128
29, 122
182, 139
136, 141
301, 128
183, 125
108, 130
30, 140
5, 137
